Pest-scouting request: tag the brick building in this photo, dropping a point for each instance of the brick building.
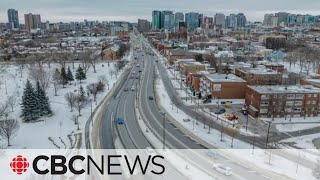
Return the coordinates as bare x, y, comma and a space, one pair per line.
175, 54
186, 66
276, 67
283, 101
222, 86
193, 80
259, 76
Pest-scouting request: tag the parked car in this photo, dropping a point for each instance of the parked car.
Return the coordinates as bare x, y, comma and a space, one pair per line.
219, 111
150, 98
244, 111
226, 116
223, 169
232, 117
186, 120
120, 120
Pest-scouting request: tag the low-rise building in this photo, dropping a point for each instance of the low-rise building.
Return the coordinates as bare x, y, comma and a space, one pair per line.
276, 67
283, 101
259, 76
186, 66
175, 54
222, 86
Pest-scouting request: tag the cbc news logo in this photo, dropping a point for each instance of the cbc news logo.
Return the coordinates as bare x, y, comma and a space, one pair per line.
19, 164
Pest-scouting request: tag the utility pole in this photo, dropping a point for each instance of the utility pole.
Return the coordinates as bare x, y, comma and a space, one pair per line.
164, 130
267, 141
247, 118
91, 115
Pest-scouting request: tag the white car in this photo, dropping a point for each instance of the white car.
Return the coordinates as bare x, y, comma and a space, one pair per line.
223, 169
133, 88
150, 151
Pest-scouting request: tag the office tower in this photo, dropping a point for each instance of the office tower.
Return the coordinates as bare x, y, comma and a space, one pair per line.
192, 21
13, 19
156, 20
219, 20
32, 21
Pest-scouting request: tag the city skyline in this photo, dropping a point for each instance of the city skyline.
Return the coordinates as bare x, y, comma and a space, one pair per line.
131, 10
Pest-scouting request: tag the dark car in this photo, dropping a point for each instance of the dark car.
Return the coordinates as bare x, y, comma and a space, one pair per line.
244, 111
120, 120
150, 98
219, 111
125, 89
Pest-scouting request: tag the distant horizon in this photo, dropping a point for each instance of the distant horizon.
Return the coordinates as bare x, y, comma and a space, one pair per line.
132, 10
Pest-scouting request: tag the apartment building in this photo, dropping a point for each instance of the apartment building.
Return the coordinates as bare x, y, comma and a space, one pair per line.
222, 86
259, 76
283, 101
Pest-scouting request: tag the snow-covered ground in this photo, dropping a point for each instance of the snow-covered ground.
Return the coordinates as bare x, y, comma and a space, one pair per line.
298, 123
304, 142
60, 127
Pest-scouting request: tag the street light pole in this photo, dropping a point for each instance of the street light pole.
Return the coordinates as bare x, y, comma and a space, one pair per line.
164, 130
269, 123
247, 118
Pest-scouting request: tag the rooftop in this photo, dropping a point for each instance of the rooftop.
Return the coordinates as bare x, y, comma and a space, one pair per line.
285, 89
223, 78
259, 71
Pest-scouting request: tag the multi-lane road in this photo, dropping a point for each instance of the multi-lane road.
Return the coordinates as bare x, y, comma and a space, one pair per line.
131, 136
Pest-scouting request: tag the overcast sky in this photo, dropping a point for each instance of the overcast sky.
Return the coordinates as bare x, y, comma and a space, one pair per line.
131, 10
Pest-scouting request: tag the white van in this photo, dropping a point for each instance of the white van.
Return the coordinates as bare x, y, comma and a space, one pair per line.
223, 169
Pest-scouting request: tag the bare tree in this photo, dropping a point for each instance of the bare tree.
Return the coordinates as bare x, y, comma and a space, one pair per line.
3, 109
74, 118
81, 102
8, 128
12, 102
71, 99
86, 59
111, 72
93, 89
41, 75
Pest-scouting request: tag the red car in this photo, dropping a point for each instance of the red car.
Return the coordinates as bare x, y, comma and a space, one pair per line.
232, 117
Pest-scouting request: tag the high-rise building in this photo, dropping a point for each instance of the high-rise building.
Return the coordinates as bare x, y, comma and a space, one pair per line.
200, 20
32, 21
274, 21
192, 21
143, 25
13, 19
292, 19
282, 17
178, 18
267, 19
220, 20
207, 22
167, 20
241, 20
156, 20
231, 21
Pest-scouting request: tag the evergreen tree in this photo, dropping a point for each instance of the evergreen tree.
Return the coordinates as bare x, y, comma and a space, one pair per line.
80, 74
42, 101
29, 104
69, 75
64, 77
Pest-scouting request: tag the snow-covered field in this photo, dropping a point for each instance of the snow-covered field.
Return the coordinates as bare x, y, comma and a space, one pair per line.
59, 128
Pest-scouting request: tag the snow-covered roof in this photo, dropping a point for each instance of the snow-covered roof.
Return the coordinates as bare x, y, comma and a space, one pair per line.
285, 89
258, 71
223, 78
224, 53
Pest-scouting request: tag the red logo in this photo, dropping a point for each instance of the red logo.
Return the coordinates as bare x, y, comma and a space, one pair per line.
19, 164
